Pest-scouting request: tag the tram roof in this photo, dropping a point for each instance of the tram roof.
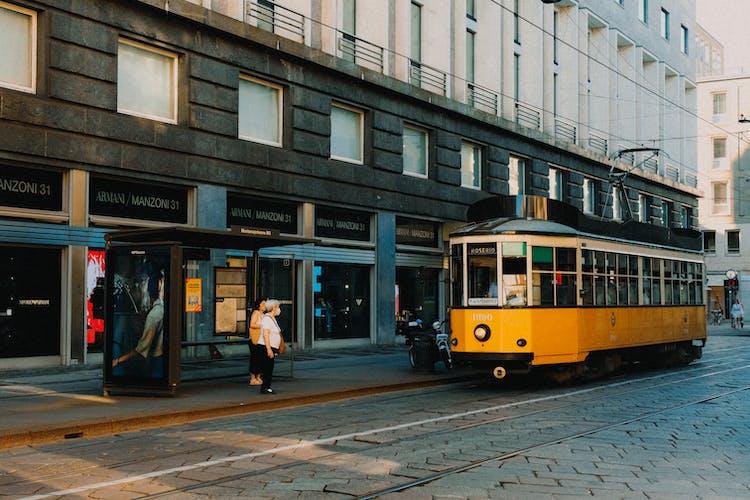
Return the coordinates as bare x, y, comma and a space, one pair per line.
504, 225
525, 214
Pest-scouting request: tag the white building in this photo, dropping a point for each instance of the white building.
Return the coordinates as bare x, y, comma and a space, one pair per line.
724, 177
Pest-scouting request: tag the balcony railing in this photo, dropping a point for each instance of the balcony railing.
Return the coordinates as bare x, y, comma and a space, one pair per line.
691, 180
528, 116
481, 98
673, 173
427, 77
276, 19
360, 51
600, 145
650, 164
565, 131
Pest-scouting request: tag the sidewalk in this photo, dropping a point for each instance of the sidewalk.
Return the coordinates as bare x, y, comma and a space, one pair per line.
49, 405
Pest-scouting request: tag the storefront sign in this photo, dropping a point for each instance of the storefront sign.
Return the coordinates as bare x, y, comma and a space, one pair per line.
30, 188
416, 232
261, 213
193, 295
132, 200
342, 224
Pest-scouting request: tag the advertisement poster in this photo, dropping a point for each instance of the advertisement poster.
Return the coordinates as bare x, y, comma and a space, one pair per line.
95, 302
193, 301
137, 284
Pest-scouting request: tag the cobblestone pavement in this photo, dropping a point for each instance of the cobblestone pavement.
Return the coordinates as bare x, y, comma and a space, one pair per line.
679, 433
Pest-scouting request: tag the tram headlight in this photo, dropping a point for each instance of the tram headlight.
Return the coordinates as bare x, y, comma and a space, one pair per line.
482, 333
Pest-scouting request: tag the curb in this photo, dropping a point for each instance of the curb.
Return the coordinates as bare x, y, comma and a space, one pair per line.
96, 428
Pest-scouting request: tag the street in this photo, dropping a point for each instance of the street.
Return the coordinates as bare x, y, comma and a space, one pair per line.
677, 433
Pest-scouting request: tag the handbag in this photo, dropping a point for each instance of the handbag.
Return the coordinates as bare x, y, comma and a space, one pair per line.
282, 345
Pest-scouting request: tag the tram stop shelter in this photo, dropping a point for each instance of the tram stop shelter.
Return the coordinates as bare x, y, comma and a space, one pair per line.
171, 297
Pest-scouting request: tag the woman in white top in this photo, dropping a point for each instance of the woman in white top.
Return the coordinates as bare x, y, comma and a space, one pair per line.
270, 339
737, 313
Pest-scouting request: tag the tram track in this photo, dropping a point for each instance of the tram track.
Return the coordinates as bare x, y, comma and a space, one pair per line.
683, 376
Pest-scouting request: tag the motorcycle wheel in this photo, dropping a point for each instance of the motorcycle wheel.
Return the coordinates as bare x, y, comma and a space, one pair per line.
446, 357
412, 354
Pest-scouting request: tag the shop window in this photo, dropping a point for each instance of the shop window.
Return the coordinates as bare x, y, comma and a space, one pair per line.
415, 151
18, 39
733, 242
346, 134
417, 292
471, 165
95, 301
260, 111
342, 301
146, 81
30, 302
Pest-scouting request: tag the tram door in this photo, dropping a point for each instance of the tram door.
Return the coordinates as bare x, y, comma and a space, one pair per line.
276, 280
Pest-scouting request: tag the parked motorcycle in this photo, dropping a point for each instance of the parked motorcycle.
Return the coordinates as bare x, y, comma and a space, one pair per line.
426, 345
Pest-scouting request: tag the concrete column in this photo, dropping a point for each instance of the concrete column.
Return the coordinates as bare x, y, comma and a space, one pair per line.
385, 279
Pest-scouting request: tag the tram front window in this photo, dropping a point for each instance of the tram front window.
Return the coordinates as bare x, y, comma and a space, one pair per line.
482, 264
514, 274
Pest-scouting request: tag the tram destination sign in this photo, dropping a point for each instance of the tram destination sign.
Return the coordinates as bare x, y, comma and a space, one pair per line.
30, 188
133, 200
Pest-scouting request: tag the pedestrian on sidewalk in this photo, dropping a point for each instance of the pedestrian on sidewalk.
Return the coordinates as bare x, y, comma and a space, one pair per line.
257, 352
270, 339
738, 314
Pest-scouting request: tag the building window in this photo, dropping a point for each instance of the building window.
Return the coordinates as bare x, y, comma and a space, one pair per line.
349, 28
684, 39
260, 111
643, 11
686, 213
589, 196
471, 9
719, 106
733, 241
666, 213
346, 134
516, 176
266, 15
416, 32
664, 24
18, 39
720, 152
415, 151
470, 39
471, 165
709, 241
720, 205
643, 209
146, 82
516, 27
556, 184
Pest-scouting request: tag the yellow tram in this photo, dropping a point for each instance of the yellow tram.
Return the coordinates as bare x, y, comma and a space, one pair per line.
537, 285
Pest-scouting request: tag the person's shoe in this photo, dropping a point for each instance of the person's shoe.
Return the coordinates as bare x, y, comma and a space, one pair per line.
267, 391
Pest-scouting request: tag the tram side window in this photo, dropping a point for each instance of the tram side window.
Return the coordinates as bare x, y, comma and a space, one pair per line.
457, 275
553, 276
514, 273
668, 296
542, 276
587, 284
632, 280
482, 265
656, 281
565, 276
696, 286
684, 283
